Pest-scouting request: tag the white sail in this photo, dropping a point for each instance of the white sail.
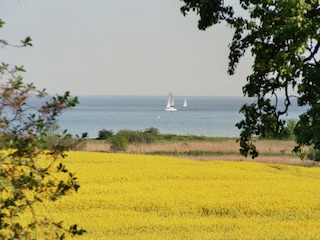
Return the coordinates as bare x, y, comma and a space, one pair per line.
170, 104
171, 101
185, 104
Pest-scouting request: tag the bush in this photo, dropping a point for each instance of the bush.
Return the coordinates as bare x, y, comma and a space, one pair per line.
152, 131
150, 135
148, 138
105, 134
67, 142
291, 124
287, 133
313, 154
119, 143
26, 182
131, 135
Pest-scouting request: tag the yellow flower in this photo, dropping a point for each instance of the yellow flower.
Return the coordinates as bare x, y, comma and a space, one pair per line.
151, 197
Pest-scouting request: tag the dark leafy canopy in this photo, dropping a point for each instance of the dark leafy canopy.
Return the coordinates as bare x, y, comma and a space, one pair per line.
30, 175
283, 37
211, 12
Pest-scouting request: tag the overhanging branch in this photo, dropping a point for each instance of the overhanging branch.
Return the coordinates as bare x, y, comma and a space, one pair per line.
313, 53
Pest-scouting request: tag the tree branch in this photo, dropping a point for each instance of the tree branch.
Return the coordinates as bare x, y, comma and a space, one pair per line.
313, 53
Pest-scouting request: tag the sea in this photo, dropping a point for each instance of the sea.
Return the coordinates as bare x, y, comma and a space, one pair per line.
204, 116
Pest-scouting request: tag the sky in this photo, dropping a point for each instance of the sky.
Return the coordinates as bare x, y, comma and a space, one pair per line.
119, 47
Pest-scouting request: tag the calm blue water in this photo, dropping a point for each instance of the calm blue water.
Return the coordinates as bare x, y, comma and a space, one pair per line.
208, 116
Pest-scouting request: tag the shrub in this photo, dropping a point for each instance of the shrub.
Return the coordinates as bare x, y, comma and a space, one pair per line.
291, 124
105, 134
31, 176
152, 131
150, 135
119, 143
148, 138
313, 154
67, 142
287, 132
131, 135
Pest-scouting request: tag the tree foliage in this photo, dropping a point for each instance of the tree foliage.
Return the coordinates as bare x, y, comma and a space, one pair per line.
283, 38
121, 140
105, 134
30, 175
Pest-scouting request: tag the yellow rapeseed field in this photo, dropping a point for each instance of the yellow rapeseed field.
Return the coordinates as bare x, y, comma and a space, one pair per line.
126, 196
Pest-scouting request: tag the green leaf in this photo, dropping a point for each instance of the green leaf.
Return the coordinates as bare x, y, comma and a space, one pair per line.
27, 42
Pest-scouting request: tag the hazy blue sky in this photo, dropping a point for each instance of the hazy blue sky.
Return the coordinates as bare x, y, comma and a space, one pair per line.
119, 47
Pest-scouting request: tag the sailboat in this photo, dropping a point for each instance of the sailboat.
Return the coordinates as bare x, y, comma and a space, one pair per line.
170, 104
185, 104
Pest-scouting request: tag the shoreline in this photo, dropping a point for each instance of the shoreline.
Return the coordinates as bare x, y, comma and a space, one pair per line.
271, 151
